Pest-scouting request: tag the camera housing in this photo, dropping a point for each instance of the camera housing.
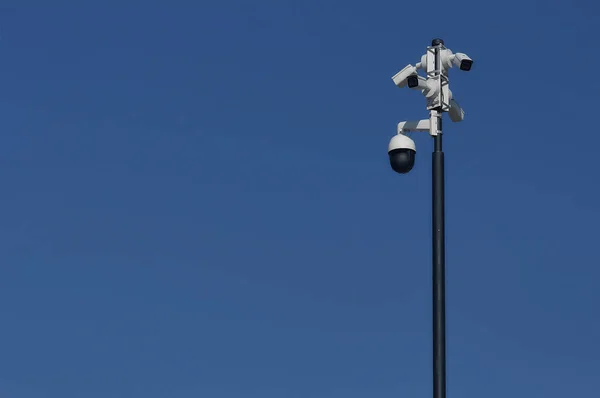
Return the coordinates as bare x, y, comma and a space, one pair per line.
456, 112
401, 78
463, 61
402, 151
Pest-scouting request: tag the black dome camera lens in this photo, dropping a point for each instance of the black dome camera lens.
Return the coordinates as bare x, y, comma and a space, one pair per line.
402, 160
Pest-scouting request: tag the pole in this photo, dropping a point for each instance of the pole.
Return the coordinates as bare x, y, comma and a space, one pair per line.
438, 238
439, 274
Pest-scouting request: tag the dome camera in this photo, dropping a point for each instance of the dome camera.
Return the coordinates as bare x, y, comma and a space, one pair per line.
401, 151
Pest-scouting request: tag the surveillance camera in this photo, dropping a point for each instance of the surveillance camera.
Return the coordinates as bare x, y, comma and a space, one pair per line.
456, 113
463, 61
401, 151
400, 78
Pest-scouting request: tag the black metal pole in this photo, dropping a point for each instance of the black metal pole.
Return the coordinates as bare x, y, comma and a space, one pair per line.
439, 272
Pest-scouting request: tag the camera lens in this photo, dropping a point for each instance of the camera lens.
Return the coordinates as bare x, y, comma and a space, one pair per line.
466, 65
413, 81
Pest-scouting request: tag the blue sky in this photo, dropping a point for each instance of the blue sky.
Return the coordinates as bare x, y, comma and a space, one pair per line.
197, 202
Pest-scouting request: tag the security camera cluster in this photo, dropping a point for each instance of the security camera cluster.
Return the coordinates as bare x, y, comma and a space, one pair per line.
435, 88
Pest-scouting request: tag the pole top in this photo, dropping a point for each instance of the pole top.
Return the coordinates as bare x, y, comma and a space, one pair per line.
437, 42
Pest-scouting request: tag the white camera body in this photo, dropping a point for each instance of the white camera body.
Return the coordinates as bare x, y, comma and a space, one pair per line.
462, 61
401, 152
456, 112
401, 142
400, 78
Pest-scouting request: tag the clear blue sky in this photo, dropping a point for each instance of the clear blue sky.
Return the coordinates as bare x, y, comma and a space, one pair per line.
196, 200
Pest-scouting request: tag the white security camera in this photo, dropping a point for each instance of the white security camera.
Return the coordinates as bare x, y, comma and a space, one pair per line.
401, 151
456, 113
400, 78
463, 61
